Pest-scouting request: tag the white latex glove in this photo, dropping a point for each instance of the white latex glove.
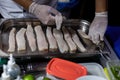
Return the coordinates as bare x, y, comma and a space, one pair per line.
98, 27
44, 13
58, 21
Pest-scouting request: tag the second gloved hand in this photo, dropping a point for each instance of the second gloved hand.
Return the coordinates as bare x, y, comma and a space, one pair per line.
98, 27
44, 13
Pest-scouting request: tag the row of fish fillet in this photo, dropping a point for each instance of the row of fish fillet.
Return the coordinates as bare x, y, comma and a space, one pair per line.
65, 40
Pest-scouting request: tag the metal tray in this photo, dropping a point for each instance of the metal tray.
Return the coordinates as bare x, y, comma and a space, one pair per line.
8, 24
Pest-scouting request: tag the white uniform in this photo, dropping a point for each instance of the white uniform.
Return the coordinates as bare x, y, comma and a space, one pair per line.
9, 9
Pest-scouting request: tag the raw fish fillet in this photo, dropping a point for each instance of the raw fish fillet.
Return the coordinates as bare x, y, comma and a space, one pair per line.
20, 39
12, 40
77, 40
90, 46
31, 37
58, 21
51, 39
63, 47
68, 39
41, 39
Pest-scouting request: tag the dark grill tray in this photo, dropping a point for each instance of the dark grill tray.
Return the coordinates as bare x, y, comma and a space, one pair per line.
8, 24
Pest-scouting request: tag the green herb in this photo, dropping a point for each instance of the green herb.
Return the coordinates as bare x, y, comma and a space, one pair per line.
46, 78
116, 71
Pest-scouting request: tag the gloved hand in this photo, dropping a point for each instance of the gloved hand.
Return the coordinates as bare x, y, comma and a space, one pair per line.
98, 27
44, 13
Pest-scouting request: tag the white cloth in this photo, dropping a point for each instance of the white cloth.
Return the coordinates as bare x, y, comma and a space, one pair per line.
9, 9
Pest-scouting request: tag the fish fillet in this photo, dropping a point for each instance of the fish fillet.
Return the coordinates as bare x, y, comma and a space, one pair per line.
12, 40
31, 37
58, 21
51, 39
41, 39
20, 39
77, 40
63, 47
67, 37
90, 46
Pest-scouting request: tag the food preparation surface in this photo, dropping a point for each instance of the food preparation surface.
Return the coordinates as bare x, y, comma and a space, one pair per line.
7, 25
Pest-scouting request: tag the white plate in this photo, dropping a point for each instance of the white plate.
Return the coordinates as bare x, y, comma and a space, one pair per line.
91, 77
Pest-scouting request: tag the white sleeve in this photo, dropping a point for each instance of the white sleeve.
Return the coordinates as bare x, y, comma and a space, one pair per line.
9, 9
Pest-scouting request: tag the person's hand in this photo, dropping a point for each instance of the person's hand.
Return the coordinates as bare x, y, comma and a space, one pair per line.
98, 27
44, 13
